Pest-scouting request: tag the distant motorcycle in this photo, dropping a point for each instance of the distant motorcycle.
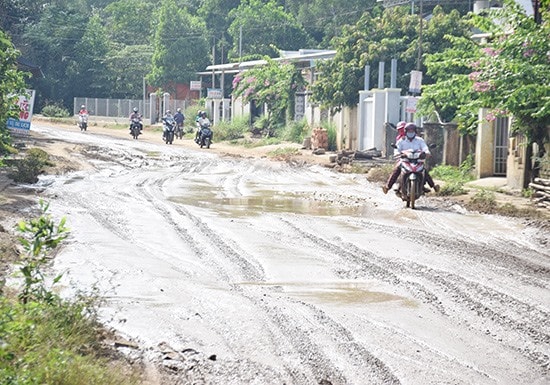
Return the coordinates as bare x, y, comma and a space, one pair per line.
83, 122
135, 128
169, 130
205, 136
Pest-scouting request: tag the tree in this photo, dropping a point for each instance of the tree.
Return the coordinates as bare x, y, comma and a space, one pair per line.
52, 41
88, 71
266, 28
216, 15
180, 46
129, 21
379, 37
510, 74
274, 85
324, 19
12, 84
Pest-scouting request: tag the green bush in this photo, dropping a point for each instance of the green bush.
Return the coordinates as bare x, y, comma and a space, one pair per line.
331, 132
235, 129
32, 165
296, 131
55, 111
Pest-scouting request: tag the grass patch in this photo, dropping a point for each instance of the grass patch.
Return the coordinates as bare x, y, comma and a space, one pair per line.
45, 339
285, 153
27, 169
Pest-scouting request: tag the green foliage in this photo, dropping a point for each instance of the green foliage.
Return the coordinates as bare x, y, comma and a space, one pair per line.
266, 28
381, 36
284, 154
180, 46
11, 85
273, 84
54, 343
235, 129
55, 111
331, 133
296, 131
30, 166
509, 74
40, 237
483, 201
454, 177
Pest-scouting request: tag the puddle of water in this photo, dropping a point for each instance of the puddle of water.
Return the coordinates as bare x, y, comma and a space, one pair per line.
343, 293
265, 201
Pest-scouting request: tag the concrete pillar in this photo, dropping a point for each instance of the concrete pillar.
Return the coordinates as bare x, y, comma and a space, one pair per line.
362, 117
484, 146
451, 145
393, 105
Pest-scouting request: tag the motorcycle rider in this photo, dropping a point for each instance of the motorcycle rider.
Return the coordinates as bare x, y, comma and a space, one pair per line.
136, 115
201, 121
411, 142
400, 130
83, 110
179, 117
167, 119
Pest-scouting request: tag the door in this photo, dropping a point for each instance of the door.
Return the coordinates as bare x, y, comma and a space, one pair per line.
501, 146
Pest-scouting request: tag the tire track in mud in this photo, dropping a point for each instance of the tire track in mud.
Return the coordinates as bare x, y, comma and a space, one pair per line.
500, 261
463, 292
284, 316
235, 256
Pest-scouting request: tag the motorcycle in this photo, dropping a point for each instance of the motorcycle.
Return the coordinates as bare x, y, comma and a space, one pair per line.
205, 136
83, 122
179, 131
135, 128
412, 176
168, 130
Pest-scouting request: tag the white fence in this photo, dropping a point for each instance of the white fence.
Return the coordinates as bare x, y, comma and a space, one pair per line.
122, 108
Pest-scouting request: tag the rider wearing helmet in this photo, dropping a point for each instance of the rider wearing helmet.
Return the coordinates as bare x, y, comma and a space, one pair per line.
400, 130
136, 115
410, 142
202, 120
168, 120
179, 117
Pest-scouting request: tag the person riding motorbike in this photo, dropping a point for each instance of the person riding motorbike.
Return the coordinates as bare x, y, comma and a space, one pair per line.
168, 120
411, 142
179, 117
201, 121
83, 110
136, 115
400, 130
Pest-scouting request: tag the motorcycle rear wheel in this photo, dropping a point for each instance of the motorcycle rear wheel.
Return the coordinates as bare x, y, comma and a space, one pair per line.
207, 142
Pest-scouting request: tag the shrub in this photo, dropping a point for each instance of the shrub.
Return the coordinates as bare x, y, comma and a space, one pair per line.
296, 131
331, 132
232, 130
55, 111
32, 165
483, 201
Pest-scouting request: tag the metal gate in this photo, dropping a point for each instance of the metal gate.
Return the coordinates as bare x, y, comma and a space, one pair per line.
501, 146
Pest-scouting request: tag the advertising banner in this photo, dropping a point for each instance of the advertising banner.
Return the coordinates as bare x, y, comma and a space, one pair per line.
25, 103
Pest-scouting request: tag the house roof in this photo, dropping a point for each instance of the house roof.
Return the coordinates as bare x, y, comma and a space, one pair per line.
301, 56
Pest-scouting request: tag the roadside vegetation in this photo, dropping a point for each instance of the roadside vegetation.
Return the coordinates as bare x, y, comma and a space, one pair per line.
45, 339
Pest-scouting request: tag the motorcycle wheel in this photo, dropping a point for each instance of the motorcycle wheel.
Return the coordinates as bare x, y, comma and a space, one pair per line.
207, 142
412, 193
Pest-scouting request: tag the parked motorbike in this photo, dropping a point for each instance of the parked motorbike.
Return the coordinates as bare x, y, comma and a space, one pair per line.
169, 130
83, 122
135, 130
205, 136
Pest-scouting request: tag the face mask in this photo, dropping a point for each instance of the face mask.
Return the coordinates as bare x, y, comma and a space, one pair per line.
411, 135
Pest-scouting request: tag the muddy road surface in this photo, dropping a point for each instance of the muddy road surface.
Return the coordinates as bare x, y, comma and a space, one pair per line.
250, 271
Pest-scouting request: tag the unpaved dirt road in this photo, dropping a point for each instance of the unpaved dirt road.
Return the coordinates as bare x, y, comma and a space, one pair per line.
249, 271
